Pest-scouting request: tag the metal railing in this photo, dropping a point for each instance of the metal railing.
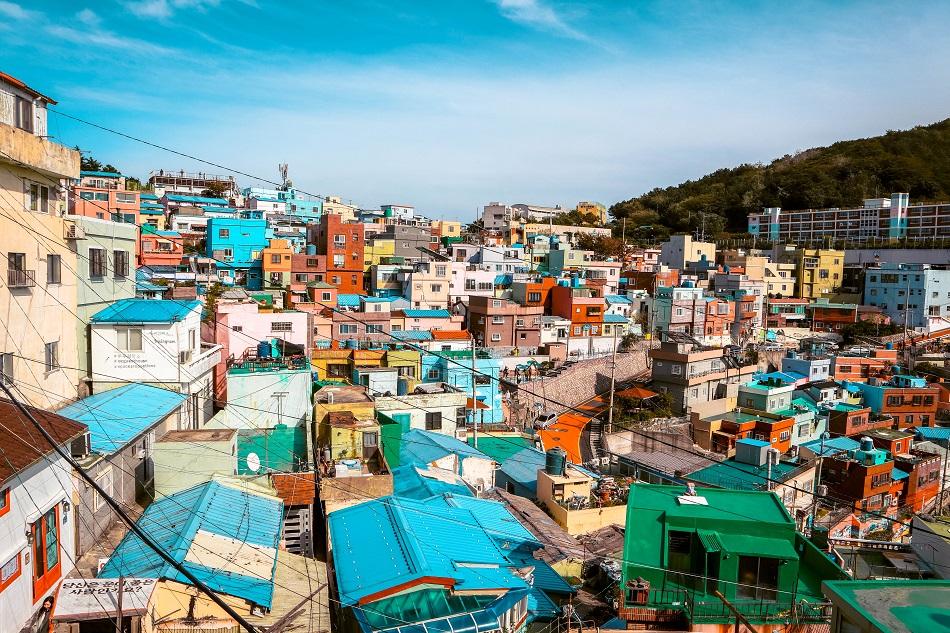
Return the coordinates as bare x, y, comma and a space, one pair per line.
19, 278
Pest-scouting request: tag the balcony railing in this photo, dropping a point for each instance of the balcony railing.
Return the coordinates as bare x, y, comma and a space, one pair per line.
18, 278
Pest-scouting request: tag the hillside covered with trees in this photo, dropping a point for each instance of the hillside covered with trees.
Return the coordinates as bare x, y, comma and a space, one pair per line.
916, 161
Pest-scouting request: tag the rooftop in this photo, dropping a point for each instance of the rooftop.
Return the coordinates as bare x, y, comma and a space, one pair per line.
341, 395
199, 435
742, 476
226, 536
22, 445
146, 311
424, 447
414, 482
101, 174
195, 199
107, 414
832, 445
892, 606
426, 314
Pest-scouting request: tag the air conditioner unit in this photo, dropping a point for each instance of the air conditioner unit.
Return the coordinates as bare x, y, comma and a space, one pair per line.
72, 231
185, 356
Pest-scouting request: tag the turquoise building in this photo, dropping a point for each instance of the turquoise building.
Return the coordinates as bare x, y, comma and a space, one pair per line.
454, 368
236, 244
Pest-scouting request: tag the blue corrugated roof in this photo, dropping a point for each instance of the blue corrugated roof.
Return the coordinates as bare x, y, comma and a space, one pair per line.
502, 280
145, 195
897, 474
348, 300
172, 522
150, 205
145, 311
373, 299
617, 299
386, 542
220, 209
523, 466
101, 174
118, 416
423, 314
615, 318
196, 199
414, 482
932, 433
424, 447
412, 335
833, 445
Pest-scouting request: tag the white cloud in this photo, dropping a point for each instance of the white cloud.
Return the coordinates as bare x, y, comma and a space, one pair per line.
536, 14
164, 9
105, 39
89, 17
14, 11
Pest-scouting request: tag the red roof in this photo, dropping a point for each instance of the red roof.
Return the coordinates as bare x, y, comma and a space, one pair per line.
22, 445
450, 335
22, 86
296, 489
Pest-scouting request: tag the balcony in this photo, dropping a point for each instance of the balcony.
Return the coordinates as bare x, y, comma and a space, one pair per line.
196, 366
35, 152
17, 278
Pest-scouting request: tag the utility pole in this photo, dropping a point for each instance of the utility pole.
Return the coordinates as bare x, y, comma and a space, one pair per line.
474, 398
814, 492
613, 384
943, 481
118, 606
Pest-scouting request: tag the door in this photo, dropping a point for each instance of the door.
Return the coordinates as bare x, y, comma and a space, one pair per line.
47, 566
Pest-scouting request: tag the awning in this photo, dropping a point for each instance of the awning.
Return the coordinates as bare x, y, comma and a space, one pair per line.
638, 393
476, 404
710, 541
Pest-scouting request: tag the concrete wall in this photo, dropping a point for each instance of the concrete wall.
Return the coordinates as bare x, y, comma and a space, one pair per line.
181, 465
33, 492
255, 398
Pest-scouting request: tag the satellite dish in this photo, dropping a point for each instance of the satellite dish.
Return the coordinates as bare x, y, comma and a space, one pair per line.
253, 462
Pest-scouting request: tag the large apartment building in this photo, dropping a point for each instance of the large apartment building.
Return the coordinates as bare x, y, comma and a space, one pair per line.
878, 219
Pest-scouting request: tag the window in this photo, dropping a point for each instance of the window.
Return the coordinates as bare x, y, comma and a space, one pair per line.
46, 567
534, 297
275, 259
498, 320
784, 435
224, 233
120, 264
348, 328
39, 198
440, 271
679, 548
374, 329
23, 114
97, 262
104, 479
10, 571
434, 374
758, 578
460, 416
676, 370
52, 356
282, 326
520, 322
338, 261
125, 198
436, 287
496, 337
433, 421
339, 240
370, 440
54, 269
311, 263
4, 501
129, 339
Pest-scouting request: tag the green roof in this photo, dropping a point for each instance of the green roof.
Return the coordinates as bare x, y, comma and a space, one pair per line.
500, 448
739, 475
898, 606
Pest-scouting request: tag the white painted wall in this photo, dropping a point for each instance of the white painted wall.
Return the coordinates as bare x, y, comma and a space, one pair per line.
33, 492
255, 397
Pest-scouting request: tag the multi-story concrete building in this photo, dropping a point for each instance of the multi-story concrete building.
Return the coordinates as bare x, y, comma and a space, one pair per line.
426, 286
878, 219
503, 323
681, 249
277, 263
819, 272
103, 195
190, 184
105, 274
156, 342
786, 312
38, 332
237, 244
693, 375
343, 244
595, 209
919, 293
908, 400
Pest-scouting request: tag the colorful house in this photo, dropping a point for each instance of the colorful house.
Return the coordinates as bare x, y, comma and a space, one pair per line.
237, 245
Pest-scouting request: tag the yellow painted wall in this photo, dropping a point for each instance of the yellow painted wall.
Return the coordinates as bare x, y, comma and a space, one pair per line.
824, 277
376, 250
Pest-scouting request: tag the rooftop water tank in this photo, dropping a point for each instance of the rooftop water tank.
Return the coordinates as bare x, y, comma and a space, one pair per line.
264, 349
867, 444
555, 461
311, 249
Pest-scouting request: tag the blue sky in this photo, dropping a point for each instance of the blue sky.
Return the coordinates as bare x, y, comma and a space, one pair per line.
450, 104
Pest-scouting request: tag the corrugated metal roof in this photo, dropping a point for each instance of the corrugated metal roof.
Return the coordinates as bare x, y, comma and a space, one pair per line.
615, 318
412, 335
198, 199
237, 530
146, 311
101, 174
118, 416
617, 299
424, 447
348, 300
389, 541
423, 314
413, 482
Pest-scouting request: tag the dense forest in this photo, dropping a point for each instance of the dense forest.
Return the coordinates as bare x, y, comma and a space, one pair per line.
916, 161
